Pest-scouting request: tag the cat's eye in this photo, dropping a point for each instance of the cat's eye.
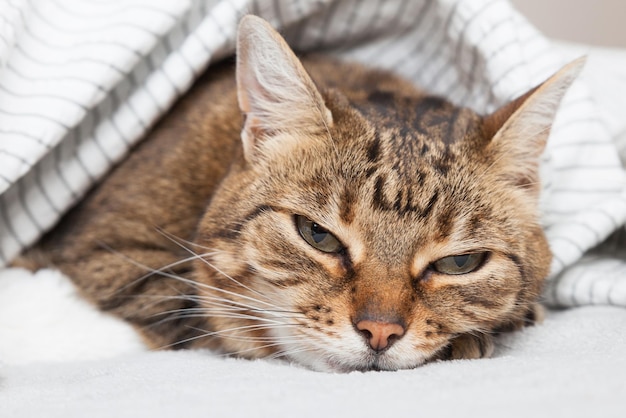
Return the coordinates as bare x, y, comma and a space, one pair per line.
317, 236
459, 264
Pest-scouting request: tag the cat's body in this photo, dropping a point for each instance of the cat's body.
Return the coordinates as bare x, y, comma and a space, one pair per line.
368, 226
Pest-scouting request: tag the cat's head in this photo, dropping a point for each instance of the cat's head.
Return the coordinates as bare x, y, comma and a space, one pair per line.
368, 229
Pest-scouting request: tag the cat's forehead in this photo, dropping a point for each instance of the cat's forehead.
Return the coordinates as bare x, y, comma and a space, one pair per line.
416, 166
410, 118
408, 139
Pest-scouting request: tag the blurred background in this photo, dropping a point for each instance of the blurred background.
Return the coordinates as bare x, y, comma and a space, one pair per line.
594, 22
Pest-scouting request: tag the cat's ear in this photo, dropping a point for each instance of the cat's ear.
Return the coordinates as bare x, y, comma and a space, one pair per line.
520, 129
274, 90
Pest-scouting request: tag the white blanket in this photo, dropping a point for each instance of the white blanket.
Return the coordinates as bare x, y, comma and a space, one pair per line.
80, 81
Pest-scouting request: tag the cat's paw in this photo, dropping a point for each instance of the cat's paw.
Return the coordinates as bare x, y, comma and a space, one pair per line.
470, 346
535, 314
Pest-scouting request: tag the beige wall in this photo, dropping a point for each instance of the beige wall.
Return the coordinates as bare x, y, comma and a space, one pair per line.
597, 22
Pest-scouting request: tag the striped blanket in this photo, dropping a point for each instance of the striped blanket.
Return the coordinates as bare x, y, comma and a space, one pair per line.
82, 80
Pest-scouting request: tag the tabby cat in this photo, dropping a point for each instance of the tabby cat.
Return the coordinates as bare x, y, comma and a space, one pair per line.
348, 222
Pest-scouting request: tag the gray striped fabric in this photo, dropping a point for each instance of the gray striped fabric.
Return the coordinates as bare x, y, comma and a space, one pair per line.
82, 80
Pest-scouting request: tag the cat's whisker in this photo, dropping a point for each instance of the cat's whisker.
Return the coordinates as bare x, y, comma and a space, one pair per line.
229, 277
185, 313
216, 307
247, 350
175, 239
160, 270
178, 240
263, 339
200, 285
215, 301
205, 334
228, 333
220, 307
205, 261
150, 271
277, 309
248, 328
286, 353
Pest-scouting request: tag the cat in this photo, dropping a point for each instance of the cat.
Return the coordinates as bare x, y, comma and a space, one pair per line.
321, 212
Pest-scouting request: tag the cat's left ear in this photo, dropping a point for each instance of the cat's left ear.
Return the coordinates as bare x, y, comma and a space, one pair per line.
520, 129
274, 90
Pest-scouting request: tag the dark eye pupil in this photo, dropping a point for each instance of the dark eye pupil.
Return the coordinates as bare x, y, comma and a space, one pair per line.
461, 260
318, 233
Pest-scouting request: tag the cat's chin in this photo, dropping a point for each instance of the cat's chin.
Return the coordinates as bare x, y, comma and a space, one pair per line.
332, 366
368, 363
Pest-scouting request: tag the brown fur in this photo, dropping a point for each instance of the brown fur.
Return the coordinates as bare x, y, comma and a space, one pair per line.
402, 179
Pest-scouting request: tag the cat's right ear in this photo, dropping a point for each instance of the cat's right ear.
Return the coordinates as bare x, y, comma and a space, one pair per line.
274, 90
519, 130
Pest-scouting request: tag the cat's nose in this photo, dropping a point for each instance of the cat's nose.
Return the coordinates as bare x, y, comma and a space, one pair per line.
380, 334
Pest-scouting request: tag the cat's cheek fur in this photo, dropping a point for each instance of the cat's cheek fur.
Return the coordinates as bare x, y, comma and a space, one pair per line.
478, 304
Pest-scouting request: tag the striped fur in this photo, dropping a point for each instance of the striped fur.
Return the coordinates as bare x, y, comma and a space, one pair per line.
193, 239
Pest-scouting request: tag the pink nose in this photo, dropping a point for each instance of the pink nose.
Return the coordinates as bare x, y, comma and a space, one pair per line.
380, 335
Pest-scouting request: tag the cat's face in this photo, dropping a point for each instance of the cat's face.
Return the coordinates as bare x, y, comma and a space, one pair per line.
368, 231
344, 228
